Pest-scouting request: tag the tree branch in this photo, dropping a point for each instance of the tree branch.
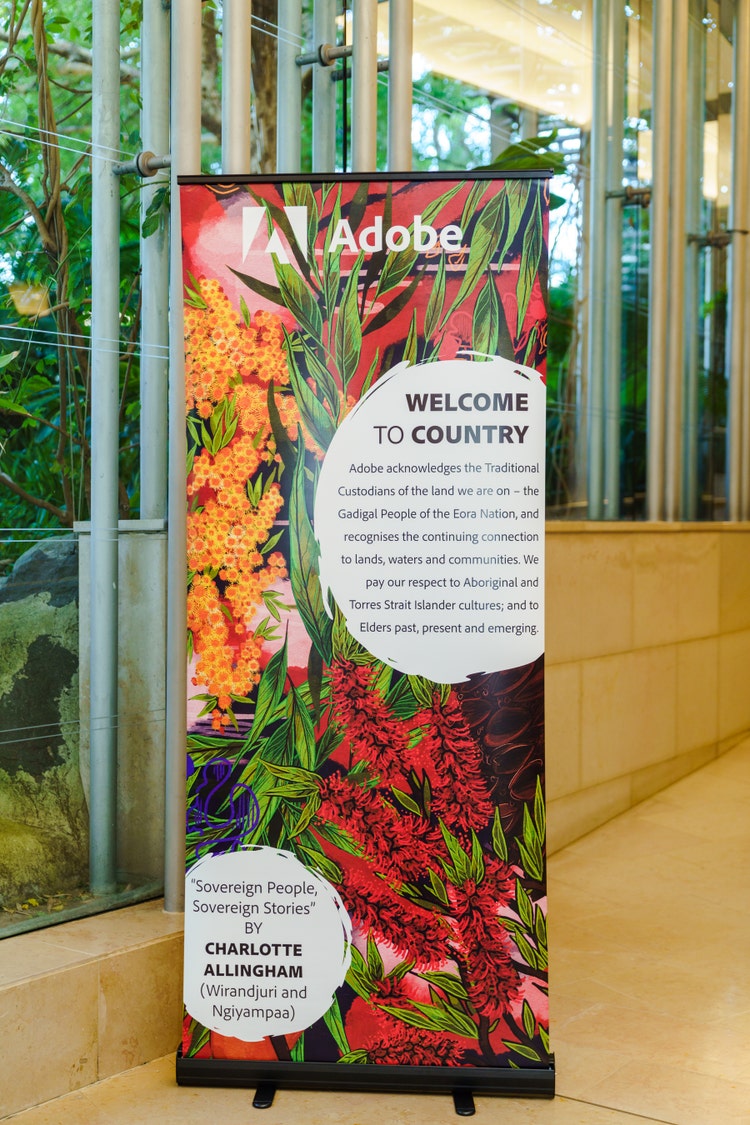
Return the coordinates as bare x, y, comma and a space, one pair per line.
36, 501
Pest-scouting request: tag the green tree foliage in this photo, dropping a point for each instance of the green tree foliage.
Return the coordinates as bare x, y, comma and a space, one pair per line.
45, 254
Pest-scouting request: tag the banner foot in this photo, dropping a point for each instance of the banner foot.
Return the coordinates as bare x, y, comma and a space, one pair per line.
264, 1095
463, 1101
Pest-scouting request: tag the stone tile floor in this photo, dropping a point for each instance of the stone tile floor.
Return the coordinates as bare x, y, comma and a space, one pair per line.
650, 989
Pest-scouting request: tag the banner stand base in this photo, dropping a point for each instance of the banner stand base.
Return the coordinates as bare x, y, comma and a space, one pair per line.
463, 1103
462, 1083
264, 1095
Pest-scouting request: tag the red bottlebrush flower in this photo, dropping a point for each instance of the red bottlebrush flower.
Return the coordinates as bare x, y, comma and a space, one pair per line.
451, 760
402, 1045
396, 843
389, 1041
410, 930
373, 732
482, 948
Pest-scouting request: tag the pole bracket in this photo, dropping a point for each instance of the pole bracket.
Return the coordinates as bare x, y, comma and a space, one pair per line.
630, 194
145, 164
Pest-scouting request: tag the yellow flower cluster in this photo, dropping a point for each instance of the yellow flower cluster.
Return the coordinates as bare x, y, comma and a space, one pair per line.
228, 368
221, 351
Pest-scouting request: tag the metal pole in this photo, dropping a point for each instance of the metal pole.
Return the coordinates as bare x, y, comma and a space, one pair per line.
694, 159
154, 265
736, 440
742, 103
105, 342
186, 159
659, 280
364, 85
613, 287
598, 264
324, 92
674, 375
289, 88
235, 86
400, 49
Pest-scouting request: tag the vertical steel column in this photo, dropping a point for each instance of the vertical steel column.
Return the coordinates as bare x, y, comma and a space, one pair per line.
736, 439
105, 404
674, 375
741, 308
186, 159
613, 285
597, 224
694, 161
235, 86
154, 266
400, 49
364, 85
324, 92
659, 279
289, 88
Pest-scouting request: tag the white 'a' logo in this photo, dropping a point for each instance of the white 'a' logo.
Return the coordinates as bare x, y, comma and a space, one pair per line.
251, 220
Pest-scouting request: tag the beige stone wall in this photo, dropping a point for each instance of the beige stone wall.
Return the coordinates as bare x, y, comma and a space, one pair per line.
648, 651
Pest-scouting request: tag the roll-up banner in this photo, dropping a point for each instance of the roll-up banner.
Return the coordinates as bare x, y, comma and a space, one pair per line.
365, 890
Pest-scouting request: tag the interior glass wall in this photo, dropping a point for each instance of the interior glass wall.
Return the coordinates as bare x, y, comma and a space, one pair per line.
510, 81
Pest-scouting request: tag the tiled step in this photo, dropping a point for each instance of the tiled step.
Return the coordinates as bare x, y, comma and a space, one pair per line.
87, 999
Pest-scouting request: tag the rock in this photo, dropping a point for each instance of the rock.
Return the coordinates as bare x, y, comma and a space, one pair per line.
42, 807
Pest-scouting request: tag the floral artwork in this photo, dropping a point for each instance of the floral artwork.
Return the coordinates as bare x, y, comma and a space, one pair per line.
422, 803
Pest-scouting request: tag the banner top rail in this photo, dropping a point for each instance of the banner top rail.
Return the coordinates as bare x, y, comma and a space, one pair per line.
370, 177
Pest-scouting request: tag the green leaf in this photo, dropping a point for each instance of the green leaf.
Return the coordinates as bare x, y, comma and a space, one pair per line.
327, 388
532, 863
525, 908
529, 1020
317, 420
335, 1024
485, 242
245, 312
458, 856
531, 255
477, 859
306, 816
284, 447
298, 1050
374, 960
499, 843
540, 928
297, 296
540, 813
422, 690
406, 801
394, 307
401, 970
354, 1057
433, 1018
522, 1049
473, 199
438, 886
359, 975
450, 984
527, 951
330, 870
398, 265
410, 347
303, 568
301, 735
488, 315
436, 301
270, 690
262, 288
348, 334
532, 154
